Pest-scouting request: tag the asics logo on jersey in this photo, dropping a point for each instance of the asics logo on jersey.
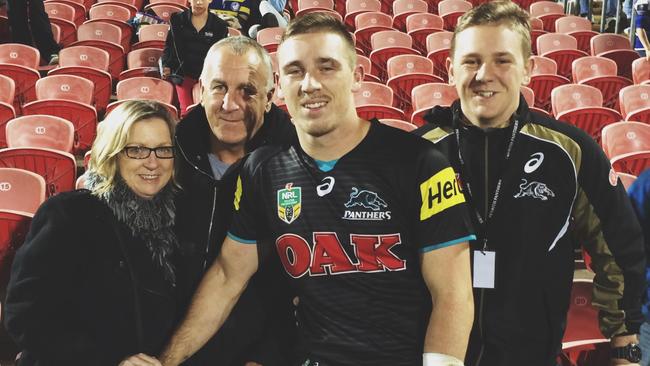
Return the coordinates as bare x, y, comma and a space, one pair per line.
365, 199
325, 188
535, 161
328, 257
535, 190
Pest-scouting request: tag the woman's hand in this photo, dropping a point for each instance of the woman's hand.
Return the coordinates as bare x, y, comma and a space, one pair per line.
140, 360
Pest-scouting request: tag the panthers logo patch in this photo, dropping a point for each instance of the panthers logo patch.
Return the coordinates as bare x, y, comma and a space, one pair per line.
535, 190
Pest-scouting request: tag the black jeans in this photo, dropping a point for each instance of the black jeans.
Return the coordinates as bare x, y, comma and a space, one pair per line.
27, 19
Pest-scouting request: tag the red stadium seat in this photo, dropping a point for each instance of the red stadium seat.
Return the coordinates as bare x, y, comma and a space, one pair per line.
451, 10
578, 28
111, 11
151, 36
626, 179
386, 44
534, 34
145, 88
403, 8
127, 31
7, 112
542, 85
77, 5
426, 96
373, 100
624, 137
65, 17
404, 73
438, 46
590, 119
165, 10
67, 87
14, 226
610, 87
303, 4
419, 26
548, 12
20, 63
269, 38
41, 131
536, 23
22, 190
543, 65
617, 48
142, 62
58, 168
82, 116
60, 10
402, 125
84, 56
571, 96
369, 23
641, 71
183, 3
106, 37
561, 48
592, 66
354, 8
101, 79
56, 33
367, 69
635, 103
529, 95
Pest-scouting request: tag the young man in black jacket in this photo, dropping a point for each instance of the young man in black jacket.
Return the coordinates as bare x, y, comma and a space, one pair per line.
236, 116
539, 189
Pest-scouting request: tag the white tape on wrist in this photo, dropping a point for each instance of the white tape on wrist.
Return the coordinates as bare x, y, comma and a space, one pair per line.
439, 359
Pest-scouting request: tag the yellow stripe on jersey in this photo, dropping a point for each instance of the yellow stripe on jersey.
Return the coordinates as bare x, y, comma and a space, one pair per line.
238, 193
440, 192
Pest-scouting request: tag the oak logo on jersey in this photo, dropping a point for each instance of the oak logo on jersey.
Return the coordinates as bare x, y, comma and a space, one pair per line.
289, 203
365, 200
326, 256
440, 192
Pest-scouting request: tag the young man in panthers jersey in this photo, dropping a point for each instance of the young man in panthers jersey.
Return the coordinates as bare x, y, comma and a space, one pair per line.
368, 222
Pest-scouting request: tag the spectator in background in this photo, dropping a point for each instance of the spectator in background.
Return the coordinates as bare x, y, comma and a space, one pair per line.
271, 16
639, 193
28, 20
240, 14
642, 25
191, 34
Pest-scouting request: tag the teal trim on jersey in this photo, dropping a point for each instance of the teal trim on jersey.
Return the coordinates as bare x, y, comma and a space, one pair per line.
447, 243
326, 166
240, 240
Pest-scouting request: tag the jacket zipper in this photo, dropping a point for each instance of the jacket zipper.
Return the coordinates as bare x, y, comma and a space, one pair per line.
485, 213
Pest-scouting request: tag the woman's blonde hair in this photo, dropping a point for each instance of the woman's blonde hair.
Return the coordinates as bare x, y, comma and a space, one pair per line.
112, 136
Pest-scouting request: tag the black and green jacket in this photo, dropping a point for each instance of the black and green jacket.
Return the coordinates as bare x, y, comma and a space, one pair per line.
556, 195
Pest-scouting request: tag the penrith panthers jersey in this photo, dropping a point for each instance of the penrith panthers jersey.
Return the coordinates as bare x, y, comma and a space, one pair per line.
349, 234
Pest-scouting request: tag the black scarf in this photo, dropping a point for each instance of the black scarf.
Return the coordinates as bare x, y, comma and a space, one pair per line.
151, 220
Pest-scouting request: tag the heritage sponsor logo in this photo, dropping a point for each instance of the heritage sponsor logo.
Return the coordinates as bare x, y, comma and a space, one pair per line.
289, 203
440, 192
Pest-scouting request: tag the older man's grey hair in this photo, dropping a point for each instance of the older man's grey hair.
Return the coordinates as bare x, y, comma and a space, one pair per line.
239, 45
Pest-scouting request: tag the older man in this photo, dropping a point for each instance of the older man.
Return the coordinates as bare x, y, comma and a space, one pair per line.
236, 116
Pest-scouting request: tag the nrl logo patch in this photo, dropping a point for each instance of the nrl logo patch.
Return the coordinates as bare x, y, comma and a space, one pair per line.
535, 190
289, 203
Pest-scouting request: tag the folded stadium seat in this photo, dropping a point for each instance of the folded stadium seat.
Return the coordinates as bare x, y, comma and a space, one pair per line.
145, 88
56, 33
635, 103
403, 8
641, 71
164, 10
196, 98
20, 63
543, 65
627, 144
270, 38
386, 44
67, 87
529, 95
398, 123
127, 31
153, 36
79, 7
367, 24
542, 85
86, 160
63, 16
310, 6
578, 28
534, 34
561, 48
547, 12
536, 24
451, 10
138, 4
367, 69
90, 63
116, 14
581, 105
582, 332
426, 96
7, 112
438, 46
373, 100
419, 26
142, 62
406, 72
600, 73
41, 131
615, 47
354, 8
58, 168
176, 2
22, 190
107, 37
